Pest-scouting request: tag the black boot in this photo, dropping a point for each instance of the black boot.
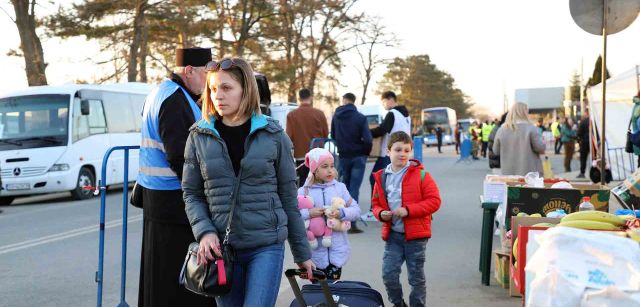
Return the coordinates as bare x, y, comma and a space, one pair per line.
354, 228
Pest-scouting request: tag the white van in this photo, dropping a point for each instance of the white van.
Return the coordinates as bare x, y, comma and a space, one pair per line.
279, 111
374, 113
53, 138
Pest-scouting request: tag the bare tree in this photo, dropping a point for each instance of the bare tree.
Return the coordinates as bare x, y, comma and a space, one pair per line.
25, 20
370, 36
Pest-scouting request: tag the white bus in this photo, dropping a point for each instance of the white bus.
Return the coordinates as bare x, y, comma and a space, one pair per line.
440, 116
53, 138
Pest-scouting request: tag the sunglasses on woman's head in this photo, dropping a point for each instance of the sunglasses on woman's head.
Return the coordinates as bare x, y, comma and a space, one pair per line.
215, 65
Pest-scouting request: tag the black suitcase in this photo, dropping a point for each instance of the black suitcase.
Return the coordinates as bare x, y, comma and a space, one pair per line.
343, 293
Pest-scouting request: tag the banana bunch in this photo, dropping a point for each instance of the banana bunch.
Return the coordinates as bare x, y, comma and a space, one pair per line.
593, 220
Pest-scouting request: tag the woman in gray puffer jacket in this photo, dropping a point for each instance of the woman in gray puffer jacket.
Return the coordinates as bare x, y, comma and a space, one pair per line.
237, 154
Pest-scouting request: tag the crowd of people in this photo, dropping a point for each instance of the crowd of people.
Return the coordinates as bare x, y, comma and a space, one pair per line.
208, 157
565, 132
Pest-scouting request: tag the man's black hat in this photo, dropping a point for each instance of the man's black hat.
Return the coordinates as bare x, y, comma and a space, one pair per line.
196, 57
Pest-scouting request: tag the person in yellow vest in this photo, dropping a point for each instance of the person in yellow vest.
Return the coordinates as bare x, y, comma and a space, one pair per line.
555, 129
485, 131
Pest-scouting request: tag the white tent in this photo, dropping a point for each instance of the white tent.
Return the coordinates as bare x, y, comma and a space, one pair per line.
620, 92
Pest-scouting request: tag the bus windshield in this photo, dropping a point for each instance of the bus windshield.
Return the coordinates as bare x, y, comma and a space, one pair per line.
34, 121
432, 118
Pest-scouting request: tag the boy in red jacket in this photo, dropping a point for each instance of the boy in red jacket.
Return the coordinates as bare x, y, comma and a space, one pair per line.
404, 198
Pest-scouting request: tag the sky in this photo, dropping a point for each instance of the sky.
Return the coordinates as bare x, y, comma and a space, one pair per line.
489, 47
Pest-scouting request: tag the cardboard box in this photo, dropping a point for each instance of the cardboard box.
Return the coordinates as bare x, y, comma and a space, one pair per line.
544, 200
516, 279
376, 144
501, 268
375, 148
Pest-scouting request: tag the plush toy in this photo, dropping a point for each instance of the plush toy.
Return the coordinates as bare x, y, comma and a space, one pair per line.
337, 203
316, 227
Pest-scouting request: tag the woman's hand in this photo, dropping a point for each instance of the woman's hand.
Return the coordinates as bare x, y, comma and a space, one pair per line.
309, 266
316, 212
209, 242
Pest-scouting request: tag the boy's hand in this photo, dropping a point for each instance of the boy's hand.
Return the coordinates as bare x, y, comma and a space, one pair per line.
401, 212
386, 215
316, 212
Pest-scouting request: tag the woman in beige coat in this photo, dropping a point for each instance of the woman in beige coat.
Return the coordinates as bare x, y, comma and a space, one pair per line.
519, 143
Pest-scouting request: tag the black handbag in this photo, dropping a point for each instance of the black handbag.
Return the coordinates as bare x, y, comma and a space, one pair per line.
136, 196
216, 277
629, 145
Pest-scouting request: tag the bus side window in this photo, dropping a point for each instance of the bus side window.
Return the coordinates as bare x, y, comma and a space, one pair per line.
120, 117
86, 125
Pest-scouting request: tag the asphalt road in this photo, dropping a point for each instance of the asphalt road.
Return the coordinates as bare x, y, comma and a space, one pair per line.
49, 247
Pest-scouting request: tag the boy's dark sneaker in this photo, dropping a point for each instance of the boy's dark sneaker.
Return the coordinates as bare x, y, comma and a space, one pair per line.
580, 175
354, 229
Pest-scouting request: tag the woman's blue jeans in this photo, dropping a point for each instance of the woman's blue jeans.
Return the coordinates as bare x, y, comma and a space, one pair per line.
256, 277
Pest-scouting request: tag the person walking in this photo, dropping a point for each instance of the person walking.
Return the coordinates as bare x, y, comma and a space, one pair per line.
351, 133
169, 111
568, 135
494, 158
303, 125
474, 132
405, 198
555, 130
397, 119
235, 157
519, 143
439, 133
322, 187
486, 131
585, 143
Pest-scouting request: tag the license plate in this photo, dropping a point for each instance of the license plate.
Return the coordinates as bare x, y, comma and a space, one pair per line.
18, 186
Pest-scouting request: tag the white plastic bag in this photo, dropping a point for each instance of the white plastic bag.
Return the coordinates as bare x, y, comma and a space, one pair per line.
533, 179
610, 297
552, 289
591, 259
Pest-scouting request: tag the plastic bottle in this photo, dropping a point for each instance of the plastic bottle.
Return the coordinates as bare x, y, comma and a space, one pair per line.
586, 205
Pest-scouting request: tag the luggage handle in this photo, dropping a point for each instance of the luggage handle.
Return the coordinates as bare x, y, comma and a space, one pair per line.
317, 275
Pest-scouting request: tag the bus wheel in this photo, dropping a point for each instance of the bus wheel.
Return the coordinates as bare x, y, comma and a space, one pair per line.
85, 178
6, 200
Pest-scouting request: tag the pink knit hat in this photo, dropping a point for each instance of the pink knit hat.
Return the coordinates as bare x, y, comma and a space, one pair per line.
315, 157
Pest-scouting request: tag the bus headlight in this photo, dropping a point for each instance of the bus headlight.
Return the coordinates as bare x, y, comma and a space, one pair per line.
59, 167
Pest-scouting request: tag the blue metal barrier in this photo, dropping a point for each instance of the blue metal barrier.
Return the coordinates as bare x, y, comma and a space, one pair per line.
417, 148
103, 198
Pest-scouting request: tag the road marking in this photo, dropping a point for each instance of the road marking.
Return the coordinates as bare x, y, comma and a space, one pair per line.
64, 235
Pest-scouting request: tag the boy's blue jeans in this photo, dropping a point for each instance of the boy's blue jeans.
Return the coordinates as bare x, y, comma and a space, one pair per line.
397, 251
256, 277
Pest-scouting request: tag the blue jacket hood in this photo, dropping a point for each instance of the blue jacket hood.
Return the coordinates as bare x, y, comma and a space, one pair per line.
346, 111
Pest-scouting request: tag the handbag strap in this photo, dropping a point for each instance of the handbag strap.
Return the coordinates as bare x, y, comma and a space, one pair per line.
234, 199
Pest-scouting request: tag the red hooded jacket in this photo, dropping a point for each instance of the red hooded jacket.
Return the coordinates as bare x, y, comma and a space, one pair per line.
420, 196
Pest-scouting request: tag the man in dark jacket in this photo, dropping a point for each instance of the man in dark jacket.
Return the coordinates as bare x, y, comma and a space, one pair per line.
350, 130
439, 133
583, 137
169, 111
